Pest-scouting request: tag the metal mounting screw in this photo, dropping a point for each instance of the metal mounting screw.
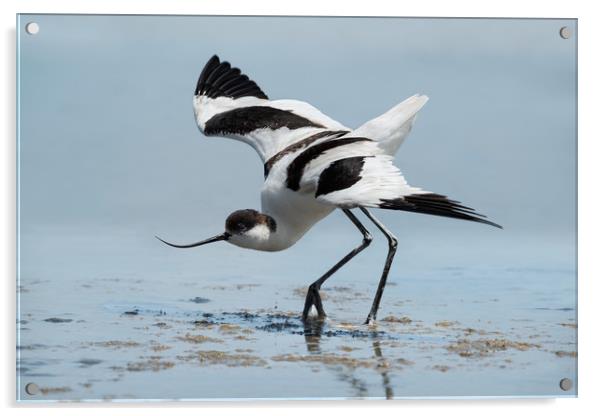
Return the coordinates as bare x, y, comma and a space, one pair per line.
32, 28
32, 389
565, 32
566, 384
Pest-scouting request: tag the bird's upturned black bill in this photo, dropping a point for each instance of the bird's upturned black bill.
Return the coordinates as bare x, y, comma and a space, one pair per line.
220, 237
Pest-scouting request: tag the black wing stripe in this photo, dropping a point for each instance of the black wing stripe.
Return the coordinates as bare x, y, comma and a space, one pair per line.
435, 204
244, 120
219, 79
295, 170
299, 145
341, 174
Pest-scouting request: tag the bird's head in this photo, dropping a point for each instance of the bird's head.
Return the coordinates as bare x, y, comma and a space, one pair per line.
249, 229
246, 228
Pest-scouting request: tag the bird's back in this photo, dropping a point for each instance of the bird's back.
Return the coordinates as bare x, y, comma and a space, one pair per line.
305, 181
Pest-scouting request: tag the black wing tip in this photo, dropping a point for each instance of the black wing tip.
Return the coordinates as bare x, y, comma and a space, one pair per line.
487, 222
436, 204
220, 79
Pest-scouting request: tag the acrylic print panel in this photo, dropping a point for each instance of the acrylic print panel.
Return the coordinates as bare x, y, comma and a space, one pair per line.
110, 156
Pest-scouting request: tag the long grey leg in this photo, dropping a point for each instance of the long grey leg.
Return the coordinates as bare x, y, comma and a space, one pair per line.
313, 292
383, 280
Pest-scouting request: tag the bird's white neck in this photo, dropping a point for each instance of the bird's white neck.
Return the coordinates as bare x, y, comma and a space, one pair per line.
257, 238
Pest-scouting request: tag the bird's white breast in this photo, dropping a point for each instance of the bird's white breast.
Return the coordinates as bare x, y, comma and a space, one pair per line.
295, 212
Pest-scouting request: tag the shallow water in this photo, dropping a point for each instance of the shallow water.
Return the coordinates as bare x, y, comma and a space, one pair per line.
136, 320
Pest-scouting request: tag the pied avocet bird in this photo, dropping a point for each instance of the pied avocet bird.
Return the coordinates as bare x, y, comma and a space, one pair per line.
312, 166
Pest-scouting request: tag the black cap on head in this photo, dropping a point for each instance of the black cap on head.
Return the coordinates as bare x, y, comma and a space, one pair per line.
243, 220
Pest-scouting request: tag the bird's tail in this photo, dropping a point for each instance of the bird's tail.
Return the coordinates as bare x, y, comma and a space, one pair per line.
435, 204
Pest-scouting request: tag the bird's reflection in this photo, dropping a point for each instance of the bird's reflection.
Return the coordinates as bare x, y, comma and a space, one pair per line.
313, 331
383, 365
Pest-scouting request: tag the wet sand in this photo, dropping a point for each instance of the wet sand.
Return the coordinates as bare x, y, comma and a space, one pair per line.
201, 345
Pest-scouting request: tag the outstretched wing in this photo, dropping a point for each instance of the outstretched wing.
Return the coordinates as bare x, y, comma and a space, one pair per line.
391, 128
352, 171
228, 104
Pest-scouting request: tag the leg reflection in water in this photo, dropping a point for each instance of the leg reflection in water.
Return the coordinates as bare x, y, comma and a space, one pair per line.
313, 331
383, 368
